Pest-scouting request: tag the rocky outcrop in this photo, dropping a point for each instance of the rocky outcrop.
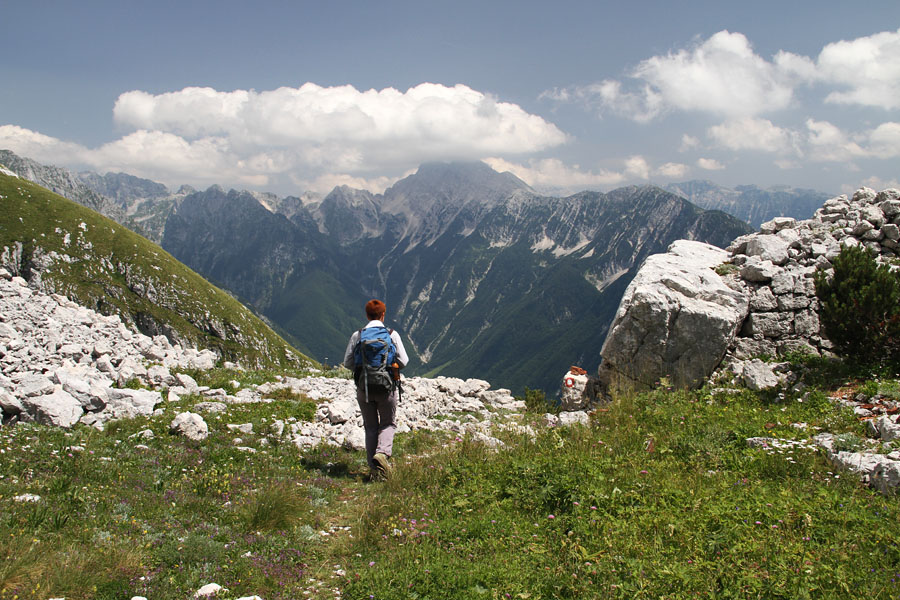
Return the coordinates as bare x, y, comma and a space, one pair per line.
778, 263
676, 320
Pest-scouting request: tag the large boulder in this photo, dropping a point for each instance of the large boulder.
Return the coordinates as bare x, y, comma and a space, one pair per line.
59, 408
676, 320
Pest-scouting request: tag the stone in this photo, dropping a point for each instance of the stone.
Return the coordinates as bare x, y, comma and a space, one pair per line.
34, 384
758, 375
790, 302
187, 382
341, 411
806, 323
127, 403
783, 283
864, 195
759, 271
159, 375
768, 247
245, 428
9, 404
210, 589
190, 425
676, 320
576, 392
887, 428
58, 408
885, 477
568, 418
763, 300
770, 325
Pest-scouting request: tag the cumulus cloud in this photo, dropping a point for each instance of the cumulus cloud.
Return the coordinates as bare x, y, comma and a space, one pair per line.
39, 147
868, 66
637, 167
828, 143
427, 120
710, 164
609, 96
673, 170
553, 174
309, 134
688, 142
752, 134
884, 140
722, 75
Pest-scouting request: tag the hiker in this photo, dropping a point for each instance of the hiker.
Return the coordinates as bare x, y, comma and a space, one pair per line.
377, 399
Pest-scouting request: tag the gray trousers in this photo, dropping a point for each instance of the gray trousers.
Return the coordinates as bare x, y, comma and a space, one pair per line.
379, 422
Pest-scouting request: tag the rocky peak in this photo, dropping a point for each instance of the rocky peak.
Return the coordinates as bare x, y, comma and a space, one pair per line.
125, 189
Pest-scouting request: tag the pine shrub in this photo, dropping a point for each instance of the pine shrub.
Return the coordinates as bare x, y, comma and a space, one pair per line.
859, 307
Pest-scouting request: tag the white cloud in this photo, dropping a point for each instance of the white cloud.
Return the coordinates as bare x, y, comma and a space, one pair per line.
884, 140
688, 142
828, 143
608, 96
428, 120
553, 174
751, 134
309, 134
722, 75
868, 66
710, 164
39, 147
673, 170
328, 181
636, 167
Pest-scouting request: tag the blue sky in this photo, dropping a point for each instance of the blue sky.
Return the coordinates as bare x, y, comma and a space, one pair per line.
297, 96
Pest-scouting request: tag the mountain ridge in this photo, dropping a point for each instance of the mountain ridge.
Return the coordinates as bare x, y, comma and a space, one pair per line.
462, 254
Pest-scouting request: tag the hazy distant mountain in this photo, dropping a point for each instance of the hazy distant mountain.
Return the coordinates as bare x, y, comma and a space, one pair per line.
751, 203
123, 188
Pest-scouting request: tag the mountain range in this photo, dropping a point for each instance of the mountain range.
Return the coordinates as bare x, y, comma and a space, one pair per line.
483, 276
752, 203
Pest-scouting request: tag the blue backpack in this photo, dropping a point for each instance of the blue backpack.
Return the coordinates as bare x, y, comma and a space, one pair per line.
373, 356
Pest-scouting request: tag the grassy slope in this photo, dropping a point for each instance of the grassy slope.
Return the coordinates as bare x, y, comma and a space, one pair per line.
115, 268
660, 497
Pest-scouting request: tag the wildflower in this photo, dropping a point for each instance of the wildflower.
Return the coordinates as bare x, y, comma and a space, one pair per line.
551, 516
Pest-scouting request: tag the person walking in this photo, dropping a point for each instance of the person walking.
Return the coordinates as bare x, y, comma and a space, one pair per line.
377, 402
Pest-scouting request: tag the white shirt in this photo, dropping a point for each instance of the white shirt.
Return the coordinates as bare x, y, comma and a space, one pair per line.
402, 358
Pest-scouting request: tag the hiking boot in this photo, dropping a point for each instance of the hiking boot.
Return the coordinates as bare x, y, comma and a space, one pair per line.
382, 465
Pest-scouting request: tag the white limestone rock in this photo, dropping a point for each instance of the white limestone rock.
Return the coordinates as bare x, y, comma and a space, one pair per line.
190, 425
676, 320
58, 408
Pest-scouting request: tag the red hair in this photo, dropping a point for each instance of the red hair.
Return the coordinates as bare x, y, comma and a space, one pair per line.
375, 309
